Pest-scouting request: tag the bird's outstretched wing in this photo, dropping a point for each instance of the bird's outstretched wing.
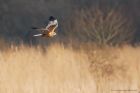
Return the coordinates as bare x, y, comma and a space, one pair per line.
51, 28
37, 35
44, 30
40, 29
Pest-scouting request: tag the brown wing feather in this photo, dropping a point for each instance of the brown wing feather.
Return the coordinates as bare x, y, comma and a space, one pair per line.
51, 28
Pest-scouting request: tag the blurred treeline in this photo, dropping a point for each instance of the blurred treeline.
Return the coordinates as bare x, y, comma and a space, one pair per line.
99, 21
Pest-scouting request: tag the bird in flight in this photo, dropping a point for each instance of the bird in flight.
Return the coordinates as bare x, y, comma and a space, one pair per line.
49, 30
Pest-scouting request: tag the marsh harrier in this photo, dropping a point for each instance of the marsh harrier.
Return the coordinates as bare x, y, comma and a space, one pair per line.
49, 30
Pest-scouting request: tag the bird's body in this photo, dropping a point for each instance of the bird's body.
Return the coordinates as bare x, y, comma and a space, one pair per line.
49, 30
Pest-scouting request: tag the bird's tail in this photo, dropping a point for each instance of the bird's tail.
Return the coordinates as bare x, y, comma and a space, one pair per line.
37, 35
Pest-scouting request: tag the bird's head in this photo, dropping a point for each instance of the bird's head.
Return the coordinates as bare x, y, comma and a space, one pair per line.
51, 18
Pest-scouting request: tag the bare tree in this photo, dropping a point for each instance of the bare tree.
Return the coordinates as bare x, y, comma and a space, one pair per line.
102, 27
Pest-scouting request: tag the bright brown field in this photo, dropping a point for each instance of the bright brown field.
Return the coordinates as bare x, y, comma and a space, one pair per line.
59, 69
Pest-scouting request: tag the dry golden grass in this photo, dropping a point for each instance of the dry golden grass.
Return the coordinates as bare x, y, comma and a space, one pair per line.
65, 70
